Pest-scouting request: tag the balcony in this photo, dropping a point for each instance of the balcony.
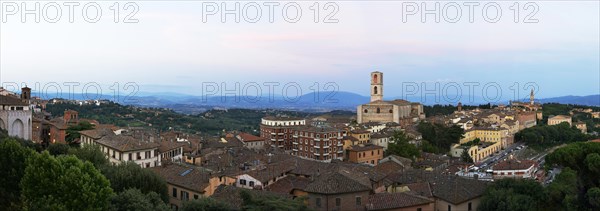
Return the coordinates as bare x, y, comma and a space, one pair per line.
296, 143
326, 154
295, 150
317, 139
340, 145
295, 136
317, 147
316, 154
326, 147
341, 152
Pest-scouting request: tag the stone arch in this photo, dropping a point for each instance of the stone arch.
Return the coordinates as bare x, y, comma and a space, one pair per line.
375, 90
18, 128
375, 79
378, 110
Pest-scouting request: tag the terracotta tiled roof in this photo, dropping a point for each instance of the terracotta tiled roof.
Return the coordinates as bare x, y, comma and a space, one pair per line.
421, 188
246, 137
513, 164
168, 145
338, 182
125, 143
187, 177
359, 148
97, 133
9, 100
288, 184
385, 201
456, 190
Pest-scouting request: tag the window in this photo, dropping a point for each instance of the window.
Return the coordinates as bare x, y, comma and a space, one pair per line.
318, 202
242, 182
251, 183
358, 201
449, 208
196, 196
470, 207
174, 192
366, 111
185, 196
419, 209
338, 202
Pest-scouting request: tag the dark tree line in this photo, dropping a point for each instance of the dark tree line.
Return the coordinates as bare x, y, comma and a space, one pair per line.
550, 135
438, 138
576, 187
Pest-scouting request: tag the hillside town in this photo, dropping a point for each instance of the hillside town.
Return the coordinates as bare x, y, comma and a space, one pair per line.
329, 162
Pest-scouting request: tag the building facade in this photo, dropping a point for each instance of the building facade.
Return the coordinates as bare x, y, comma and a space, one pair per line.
278, 130
378, 110
15, 116
367, 154
318, 143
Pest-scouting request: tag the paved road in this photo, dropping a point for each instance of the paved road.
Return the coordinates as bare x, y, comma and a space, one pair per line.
490, 161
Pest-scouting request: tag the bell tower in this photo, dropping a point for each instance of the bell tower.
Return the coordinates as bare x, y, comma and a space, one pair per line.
531, 98
376, 86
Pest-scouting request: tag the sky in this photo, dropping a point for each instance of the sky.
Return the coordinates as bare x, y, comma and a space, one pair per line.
172, 49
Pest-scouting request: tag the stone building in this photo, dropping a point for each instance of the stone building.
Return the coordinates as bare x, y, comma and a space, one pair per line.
16, 115
378, 110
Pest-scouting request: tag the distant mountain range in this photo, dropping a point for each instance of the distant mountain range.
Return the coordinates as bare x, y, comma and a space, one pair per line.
322, 101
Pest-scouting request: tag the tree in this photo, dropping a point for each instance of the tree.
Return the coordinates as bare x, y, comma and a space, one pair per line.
73, 131
440, 136
562, 193
58, 149
130, 175
63, 183
252, 202
134, 200
593, 197
205, 204
13, 159
512, 195
401, 147
466, 157
91, 153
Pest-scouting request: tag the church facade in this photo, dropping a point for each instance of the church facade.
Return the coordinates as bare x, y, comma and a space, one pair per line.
399, 111
15, 114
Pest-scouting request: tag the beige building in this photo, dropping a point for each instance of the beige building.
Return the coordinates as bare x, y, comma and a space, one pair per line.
378, 110
555, 120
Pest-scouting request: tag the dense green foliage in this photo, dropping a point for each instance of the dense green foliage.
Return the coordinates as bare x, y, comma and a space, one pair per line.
63, 183
438, 110
210, 122
401, 147
90, 153
576, 187
441, 137
67, 181
135, 200
552, 109
130, 175
512, 195
466, 157
58, 149
12, 168
73, 131
550, 135
205, 204
268, 202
